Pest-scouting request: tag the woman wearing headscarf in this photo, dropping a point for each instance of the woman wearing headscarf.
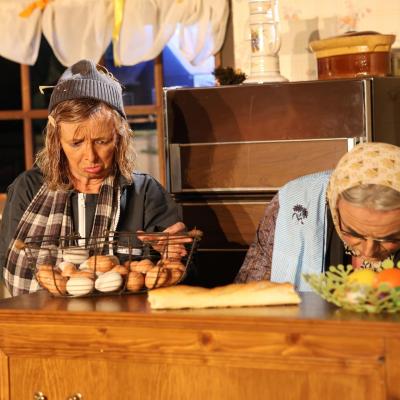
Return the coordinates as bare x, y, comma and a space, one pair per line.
348, 216
84, 180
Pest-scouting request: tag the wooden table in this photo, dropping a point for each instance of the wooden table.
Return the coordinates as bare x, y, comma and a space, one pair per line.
117, 348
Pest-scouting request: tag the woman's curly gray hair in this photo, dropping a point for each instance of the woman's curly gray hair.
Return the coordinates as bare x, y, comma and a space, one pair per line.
52, 160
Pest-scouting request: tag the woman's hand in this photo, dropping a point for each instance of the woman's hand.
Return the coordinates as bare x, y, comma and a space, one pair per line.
178, 227
171, 245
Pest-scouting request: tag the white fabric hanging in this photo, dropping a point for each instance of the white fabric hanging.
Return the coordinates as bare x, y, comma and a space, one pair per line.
20, 37
147, 27
77, 29
205, 37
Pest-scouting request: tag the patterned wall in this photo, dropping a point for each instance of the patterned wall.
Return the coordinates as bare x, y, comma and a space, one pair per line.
306, 20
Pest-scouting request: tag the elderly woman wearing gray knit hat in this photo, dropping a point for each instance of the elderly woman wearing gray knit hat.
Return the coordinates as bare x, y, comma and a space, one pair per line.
83, 180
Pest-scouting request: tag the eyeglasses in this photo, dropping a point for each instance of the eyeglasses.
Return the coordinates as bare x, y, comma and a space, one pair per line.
361, 238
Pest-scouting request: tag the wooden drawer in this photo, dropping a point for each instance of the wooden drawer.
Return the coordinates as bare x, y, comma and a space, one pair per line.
250, 166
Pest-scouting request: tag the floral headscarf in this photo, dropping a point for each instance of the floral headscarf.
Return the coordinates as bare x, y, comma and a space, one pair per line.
367, 163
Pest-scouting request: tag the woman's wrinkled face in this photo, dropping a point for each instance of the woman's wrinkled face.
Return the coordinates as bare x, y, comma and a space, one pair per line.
90, 147
372, 234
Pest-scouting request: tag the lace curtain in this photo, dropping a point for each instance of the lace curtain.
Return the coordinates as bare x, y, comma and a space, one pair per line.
77, 29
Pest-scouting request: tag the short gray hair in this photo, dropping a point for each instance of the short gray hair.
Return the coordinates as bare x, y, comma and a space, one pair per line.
377, 197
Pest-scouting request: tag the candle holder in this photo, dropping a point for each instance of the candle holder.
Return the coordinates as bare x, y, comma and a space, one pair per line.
265, 42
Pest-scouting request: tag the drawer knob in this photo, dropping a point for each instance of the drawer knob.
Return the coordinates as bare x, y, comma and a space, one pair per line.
39, 396
76, 396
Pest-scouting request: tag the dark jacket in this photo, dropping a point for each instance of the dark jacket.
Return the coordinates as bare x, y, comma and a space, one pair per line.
145, 205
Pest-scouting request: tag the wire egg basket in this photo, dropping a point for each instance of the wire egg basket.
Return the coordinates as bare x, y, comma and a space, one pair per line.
116, 263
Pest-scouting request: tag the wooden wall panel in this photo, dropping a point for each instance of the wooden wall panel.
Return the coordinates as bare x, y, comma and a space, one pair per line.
226, 225
263, 166
229, 227
285, 111
217, 267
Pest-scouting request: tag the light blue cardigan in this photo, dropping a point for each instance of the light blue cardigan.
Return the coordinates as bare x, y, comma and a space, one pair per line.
300, 232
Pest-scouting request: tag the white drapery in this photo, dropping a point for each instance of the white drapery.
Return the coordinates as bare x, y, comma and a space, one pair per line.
77, 29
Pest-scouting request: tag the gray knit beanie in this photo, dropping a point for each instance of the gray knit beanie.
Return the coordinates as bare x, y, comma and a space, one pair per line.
83, 81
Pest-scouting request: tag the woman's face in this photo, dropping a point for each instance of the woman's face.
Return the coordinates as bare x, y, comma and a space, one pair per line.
89, 147
360, 226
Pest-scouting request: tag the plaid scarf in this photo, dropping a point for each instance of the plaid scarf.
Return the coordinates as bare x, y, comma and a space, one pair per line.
48, 217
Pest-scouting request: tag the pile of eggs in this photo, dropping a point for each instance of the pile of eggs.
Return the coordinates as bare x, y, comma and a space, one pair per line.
79, 275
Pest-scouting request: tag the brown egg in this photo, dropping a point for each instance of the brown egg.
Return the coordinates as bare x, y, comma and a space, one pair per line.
115, 259
83, 273
174, 276
131, 264
172, 264
142, 266
46, 267
135, 281
67, 268
54, 282
156, 277
100, 263
121, 269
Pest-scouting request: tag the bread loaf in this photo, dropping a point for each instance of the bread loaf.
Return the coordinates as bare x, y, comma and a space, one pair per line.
258, 293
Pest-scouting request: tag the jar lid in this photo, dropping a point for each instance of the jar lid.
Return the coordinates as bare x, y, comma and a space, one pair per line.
352, 43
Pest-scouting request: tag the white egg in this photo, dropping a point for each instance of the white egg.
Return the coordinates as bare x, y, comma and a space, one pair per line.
64, 264
79, 286
114, 258
84, 265
76, 256
108, 282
